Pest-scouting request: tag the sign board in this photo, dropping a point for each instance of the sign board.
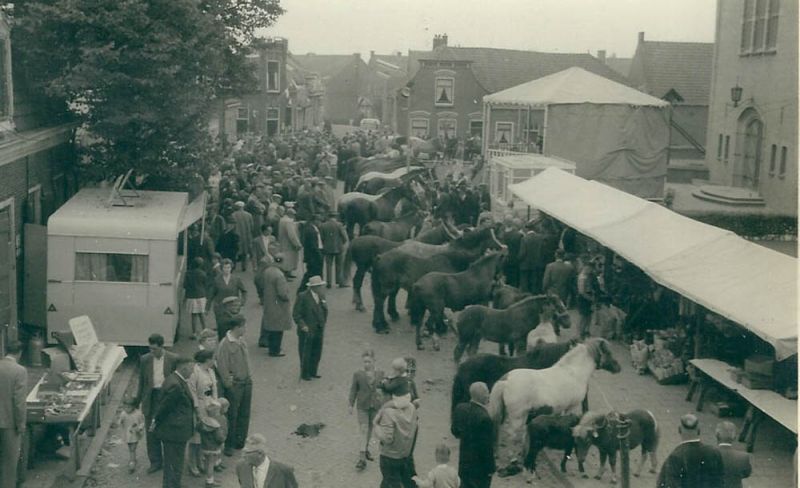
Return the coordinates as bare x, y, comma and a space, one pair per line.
83, 331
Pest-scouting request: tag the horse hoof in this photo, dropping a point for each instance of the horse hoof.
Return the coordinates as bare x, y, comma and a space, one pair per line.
360, 308
420, 347
636, 474
585, 476
653, 471
597, 477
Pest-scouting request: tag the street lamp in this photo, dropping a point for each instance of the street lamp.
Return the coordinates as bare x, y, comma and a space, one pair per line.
736, 94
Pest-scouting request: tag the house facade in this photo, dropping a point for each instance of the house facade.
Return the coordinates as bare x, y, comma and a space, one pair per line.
37, 175
346, 85
444, 95
752, 127
387, 74
680, 73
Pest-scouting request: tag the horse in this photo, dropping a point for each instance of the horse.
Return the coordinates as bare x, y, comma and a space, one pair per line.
373, 182
431, 148
436, 291
403, 266
507, 295
489, 368
362, 251
545, 332
509, 326
440, 234
561, 387
361, 208
600, 430
358, 166
397, 230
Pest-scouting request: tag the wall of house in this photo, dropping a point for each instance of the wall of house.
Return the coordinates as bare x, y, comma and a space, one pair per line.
467, 97
342, 91
769, 83
694, 120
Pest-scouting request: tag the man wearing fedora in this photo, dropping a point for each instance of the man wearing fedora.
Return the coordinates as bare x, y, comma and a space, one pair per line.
334, 243
310, 313
257, 470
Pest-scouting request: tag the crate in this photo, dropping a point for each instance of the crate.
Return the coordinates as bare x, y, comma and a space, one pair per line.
760, 365
757, 381
724, 409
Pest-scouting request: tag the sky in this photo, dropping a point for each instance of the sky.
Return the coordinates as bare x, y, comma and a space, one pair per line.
386, 26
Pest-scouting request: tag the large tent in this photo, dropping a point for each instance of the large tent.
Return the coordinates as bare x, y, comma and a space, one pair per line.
749, 284
613, 132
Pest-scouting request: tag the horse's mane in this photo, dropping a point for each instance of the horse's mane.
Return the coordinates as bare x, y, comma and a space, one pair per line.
594, 344
483, 260
526, 301
587, 422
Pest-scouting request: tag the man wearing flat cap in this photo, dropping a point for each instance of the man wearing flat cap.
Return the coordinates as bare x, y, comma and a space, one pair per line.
692, 464
257, 470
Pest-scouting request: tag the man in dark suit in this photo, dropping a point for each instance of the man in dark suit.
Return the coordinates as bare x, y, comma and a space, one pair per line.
154, 368
334, 242
692, 464
531, 264
473, 426
735, 464
14, 385
173, 420
312, 250
559, 278
257, 470
310, 313
511, 237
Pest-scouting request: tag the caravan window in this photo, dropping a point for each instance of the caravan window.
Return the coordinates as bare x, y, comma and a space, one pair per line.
127, 268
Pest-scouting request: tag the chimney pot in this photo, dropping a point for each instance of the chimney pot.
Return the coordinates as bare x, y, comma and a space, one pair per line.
641, 37
601, 55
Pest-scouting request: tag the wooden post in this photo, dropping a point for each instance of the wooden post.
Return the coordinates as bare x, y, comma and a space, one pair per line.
623, 429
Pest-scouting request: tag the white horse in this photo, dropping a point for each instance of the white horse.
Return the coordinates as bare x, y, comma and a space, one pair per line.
544, 332
560, 388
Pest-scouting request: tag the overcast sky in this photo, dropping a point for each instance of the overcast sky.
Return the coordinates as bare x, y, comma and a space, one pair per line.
348, 26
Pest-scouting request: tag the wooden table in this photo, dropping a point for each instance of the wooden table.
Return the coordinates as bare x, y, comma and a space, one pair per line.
761, 402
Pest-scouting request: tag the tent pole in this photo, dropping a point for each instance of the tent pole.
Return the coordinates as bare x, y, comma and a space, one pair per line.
544, 129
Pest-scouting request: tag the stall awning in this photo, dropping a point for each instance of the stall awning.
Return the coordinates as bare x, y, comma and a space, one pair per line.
742, 281
194, 212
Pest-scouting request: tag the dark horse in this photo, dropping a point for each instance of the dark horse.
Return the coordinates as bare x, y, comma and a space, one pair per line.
403, 266
362, 251
398, 230
489, 368
436, 291
438, 235
360, 208
357, 167
507, 295
509, 326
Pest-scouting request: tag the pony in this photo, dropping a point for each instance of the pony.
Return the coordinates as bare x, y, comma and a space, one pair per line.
544, 332
489, 368
398, 230
509, 326
361, 208
600, 429
403, 266
362, 251
561, 387
436, 291
506, 295
555, 432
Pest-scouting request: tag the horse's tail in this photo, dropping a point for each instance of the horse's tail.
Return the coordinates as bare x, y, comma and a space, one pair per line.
458, 394
497, 406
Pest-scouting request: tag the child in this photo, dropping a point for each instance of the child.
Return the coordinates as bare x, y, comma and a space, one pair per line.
213, 431
443, 475
366, 396
400, 380
132, 422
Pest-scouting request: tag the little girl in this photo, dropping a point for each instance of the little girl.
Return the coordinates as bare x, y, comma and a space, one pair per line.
443, 475
132, 422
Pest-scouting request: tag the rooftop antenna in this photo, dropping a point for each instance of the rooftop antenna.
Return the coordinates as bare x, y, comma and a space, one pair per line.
117, 198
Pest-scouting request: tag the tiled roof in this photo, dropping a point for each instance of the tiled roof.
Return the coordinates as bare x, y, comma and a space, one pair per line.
682, 66
391, 64
325, 65
498, 69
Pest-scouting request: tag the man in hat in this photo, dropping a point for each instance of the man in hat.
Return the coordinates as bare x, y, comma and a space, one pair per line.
692, 463
472, 425
229, 312
312, 249
334, 243
289, 242
310, 313
244, 226
257, 470
228, 242
173, 420
276, 307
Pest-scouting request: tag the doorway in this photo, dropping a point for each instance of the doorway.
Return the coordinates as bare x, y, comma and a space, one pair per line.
752, 130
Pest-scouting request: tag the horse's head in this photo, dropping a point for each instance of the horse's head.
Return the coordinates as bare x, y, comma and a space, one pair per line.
479, 239
603, 358
587, 432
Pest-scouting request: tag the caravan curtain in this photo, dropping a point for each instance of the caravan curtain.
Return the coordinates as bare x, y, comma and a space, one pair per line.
127, 268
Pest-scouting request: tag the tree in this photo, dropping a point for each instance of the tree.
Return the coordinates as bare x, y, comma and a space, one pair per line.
140, 75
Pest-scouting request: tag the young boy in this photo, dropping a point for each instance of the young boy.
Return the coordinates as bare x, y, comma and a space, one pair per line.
399, 380
213, 431
443, 475
131, 420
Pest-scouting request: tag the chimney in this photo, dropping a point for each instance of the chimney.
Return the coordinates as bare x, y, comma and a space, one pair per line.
601, 55
439, 40
641, 37
371, 55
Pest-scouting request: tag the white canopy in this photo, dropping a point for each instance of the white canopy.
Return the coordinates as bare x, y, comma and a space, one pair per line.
742, 281
573, 85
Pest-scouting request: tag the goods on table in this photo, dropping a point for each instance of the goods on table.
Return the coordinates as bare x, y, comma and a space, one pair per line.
667, 368
61, 397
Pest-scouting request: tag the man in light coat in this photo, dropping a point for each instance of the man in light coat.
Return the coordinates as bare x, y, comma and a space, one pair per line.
289, 241
276, 307
244, 227
14, 385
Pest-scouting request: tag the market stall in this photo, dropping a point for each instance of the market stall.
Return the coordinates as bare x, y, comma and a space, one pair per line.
612, 132
732, 282
73, 398
510, 169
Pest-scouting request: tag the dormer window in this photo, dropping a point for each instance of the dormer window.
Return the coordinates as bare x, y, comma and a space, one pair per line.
444, 92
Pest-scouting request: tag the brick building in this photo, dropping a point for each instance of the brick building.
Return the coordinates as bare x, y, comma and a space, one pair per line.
447, 84
36, 176
679, 72
752, 126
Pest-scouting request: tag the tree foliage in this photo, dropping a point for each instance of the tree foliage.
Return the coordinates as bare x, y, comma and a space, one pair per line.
141, 75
